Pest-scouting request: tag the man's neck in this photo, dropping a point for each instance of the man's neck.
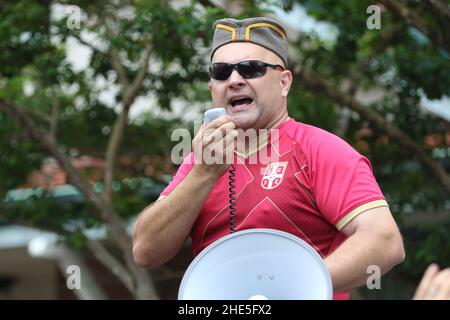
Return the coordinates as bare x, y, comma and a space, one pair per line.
284, 117
258, 139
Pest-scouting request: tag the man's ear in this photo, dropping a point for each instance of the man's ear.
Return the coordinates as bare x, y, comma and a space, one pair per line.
286, 82
209, 85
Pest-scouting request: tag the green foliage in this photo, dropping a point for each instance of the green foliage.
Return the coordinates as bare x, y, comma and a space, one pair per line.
312, 109
24, 34
18, 156
423, 246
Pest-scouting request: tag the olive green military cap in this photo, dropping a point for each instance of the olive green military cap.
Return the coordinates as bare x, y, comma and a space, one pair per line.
262, 31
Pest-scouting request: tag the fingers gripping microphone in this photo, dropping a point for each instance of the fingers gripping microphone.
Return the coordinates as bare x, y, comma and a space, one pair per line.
211, 115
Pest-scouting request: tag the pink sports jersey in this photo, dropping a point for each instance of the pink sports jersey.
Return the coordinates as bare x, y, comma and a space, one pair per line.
317, 184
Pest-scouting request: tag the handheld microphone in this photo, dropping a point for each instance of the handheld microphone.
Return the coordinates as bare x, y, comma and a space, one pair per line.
212, 114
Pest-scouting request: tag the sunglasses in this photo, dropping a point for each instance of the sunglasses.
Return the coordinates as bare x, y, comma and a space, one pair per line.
248, 69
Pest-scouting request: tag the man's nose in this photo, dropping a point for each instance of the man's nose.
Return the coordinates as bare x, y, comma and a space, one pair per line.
235, 80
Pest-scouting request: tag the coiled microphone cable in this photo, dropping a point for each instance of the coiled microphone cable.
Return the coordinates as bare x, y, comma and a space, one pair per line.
232, 201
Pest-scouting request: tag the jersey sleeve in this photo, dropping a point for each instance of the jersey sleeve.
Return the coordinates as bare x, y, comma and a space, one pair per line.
343, 182
183, 170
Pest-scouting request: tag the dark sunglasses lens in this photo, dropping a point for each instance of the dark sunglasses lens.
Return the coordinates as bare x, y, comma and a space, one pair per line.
251, 69
220, 71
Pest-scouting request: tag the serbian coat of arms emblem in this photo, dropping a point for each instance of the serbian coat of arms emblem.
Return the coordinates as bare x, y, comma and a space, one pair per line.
273, 175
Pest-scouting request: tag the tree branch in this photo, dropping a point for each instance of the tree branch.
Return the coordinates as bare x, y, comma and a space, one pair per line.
440, 7
440, 14
87, 44
54, 116
315, 83
120, 70
418, 219
207, 3
131, 93
360, 71
144, 287
133, 90
111, 263
41, 115
362, 68
413, 19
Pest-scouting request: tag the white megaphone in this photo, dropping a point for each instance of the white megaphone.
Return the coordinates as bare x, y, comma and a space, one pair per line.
257, 264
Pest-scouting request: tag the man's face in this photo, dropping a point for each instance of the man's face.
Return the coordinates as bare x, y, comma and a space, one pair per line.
265, 97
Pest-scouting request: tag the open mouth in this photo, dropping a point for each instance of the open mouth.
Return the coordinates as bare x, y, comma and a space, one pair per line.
241, 101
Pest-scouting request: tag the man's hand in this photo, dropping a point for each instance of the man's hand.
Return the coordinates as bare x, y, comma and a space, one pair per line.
435, 284
213, 147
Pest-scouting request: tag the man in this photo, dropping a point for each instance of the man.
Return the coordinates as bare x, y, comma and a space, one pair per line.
319, 189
